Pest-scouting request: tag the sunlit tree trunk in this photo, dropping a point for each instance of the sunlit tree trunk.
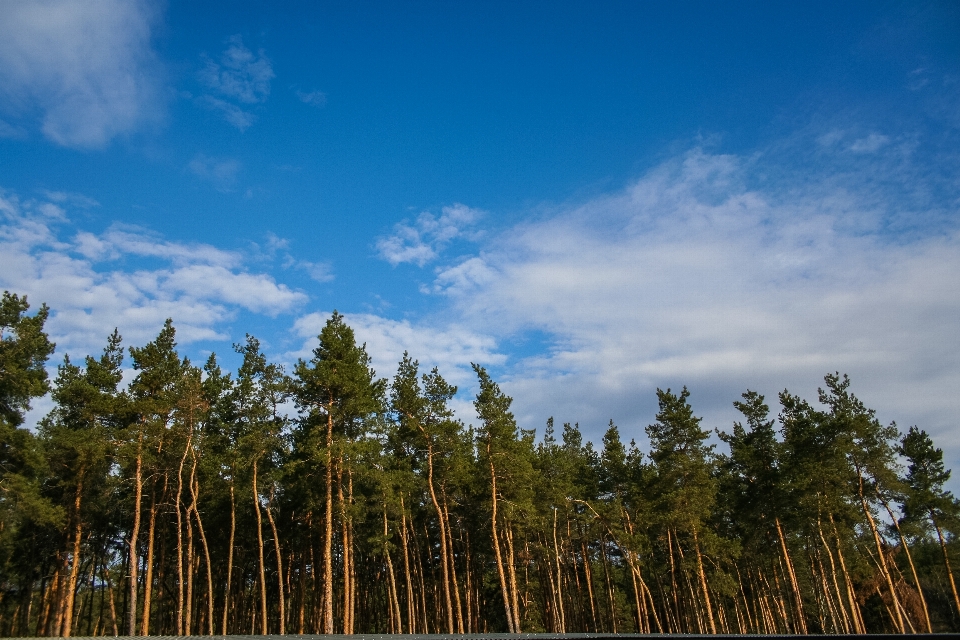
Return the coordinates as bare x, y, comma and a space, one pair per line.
504, 589
328, 528
226, 588
276, 545
71, 587
148, 578
134, 535
946, 560
260, 566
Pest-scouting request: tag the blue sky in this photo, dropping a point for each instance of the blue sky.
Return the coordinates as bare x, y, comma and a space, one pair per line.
592, 199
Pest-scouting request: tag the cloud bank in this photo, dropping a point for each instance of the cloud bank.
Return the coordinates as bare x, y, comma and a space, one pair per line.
127, 278
725, 272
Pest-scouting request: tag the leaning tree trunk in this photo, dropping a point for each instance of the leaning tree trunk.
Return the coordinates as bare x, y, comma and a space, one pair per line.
946, 561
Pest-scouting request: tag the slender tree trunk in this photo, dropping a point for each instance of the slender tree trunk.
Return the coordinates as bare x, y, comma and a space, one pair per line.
345, 536
898, 617
588, 577
611, 603
260, 566
703, 583
453, 566
233, 529
854, 607
188, 623
444, 558
913, 569
833, 573
180, 558
113, 604
134, 534
411, 604
148, 578
946, 561
328, 529
75, 565
512, 628
512, 574
195, 491
394, 602
556, 555
276, 545
793, 577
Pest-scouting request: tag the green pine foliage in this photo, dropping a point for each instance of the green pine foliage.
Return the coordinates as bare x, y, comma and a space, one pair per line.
194, 501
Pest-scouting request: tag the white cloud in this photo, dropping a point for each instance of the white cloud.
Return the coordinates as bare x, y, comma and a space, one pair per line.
312, 98
421, 241
449, 347
318, 271
221, 172
201, 287
72, 199
86, 65
230, 112
870, 144
690, 276
13, 132
240, 75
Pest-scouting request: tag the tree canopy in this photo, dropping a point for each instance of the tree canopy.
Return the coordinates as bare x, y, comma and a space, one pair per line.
192, 501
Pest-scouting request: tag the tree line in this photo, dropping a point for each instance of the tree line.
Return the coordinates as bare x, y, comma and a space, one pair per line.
195, 501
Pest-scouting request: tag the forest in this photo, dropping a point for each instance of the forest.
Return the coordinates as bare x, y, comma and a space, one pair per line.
325, 499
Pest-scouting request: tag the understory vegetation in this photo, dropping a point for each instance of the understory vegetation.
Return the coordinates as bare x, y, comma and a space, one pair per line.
327, 500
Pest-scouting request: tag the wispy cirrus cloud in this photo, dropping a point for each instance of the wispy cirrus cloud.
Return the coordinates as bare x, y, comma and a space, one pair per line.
240, 76
220, 172
86, 68
313, 98
420, 241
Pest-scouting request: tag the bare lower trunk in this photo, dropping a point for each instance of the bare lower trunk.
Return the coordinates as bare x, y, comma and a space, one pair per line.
134, 534
512, 574
703, 583
276, 545
444, 561
394, 600
226, 588
913, 569
946, 561
195, 491
411, 606
559, 590
71, 587
801, 618
854, 607
262, 569
180, 559
897, 607
453, 567
148, 578
328, 530
504, 590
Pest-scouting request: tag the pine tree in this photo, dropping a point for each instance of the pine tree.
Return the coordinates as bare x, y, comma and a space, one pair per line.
339, 393
685, 488
926, 498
